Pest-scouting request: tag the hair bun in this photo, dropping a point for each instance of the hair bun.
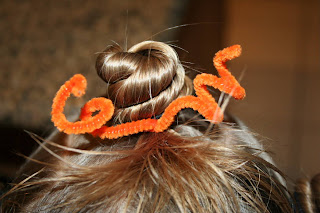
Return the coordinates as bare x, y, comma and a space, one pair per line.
143, 81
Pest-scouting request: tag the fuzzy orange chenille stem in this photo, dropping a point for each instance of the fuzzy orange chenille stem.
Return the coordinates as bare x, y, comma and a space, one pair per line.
204, 103
77, 85
125, 129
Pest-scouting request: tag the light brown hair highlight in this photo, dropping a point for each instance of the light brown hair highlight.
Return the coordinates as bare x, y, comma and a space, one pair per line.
159, 172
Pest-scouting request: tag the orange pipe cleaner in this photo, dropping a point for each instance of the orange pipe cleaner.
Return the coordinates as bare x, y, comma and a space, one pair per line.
204, 103
77, 85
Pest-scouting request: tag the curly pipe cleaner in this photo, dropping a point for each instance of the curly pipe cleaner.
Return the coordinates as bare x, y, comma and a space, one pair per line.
204, 103
77, 85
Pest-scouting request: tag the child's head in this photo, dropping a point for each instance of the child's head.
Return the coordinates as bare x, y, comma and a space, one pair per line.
189, 167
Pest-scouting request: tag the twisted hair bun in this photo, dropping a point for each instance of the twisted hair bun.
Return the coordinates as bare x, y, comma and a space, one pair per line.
143, 81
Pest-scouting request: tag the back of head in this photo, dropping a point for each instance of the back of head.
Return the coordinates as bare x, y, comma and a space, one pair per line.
189, 168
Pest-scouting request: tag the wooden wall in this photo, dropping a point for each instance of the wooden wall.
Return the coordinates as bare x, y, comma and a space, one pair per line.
281, 59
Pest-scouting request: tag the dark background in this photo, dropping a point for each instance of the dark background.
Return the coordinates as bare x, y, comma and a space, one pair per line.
43, 43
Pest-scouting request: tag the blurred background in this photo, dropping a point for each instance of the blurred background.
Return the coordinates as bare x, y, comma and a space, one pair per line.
43, 43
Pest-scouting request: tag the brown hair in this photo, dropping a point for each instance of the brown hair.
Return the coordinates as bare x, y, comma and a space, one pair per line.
143, 81
307, 194
188, 168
